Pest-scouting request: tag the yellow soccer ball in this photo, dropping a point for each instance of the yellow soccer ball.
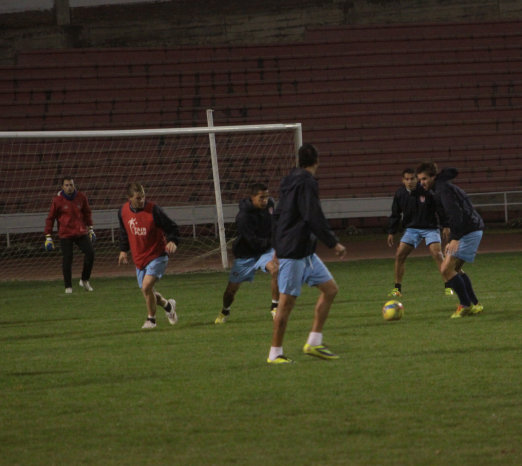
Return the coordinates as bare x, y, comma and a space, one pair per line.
392, 310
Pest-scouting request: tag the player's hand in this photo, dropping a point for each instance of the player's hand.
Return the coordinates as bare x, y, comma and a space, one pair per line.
452, 247
171, 247
340, 250
390, 240
92, 235
445, 233
123, 259
49, 243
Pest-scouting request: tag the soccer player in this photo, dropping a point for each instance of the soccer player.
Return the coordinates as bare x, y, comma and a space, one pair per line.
299, 221
151, 236
71, 211
252, 247
466, 228
418, 212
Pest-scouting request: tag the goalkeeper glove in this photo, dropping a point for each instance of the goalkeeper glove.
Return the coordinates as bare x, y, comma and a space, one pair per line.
49, 243
92, 235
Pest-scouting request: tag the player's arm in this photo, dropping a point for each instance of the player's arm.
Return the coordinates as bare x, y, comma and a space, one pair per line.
49, 223
124, 242
169, 226
454, 213
394, 219
87, 218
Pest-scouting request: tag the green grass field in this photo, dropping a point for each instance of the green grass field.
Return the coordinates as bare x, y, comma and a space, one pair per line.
82, 384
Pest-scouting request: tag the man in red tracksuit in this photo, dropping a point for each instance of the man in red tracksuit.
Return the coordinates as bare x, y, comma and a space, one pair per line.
150, 235
73, 215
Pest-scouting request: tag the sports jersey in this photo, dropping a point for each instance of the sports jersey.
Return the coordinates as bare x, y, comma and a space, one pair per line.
145, 232
72, 214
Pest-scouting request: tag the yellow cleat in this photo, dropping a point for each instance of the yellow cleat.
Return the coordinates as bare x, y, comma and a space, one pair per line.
395, 293
319, 351
476, 309
273, 312
461, 312
281, 359
221, 318
449, 291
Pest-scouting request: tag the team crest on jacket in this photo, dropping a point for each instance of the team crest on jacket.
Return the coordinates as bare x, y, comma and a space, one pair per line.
135, 229
422, 199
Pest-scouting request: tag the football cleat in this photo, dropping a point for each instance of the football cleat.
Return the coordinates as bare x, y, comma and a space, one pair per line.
449, 291
148, 324
395, 293
86, 285
281, 359
461, 312
172, 316
476, 309
68, 290
319, 351
273, 312
221, 318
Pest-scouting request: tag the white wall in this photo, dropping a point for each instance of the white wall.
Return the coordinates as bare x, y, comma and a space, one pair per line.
16, 6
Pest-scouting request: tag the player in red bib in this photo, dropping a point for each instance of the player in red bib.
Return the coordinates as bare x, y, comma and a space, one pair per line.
151, 236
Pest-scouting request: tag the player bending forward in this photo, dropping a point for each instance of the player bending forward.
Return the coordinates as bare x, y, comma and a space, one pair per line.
252, 247
151, 236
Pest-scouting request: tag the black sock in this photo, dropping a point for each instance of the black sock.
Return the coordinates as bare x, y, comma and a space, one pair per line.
459, 285
225, 312
168, 307
469, 288
398, 286
274, 306
152, 319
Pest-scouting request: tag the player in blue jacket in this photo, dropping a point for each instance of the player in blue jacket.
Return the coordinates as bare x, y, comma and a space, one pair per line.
252, 248
466, 228
298, 222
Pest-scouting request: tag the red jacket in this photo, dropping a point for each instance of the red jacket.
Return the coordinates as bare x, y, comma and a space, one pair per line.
72, 214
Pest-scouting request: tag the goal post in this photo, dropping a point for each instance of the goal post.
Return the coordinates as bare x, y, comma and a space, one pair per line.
175, 167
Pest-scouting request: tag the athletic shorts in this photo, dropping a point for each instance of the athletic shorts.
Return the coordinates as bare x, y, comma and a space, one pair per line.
244, 268
155, 267
294, 272
414, 236
468, 246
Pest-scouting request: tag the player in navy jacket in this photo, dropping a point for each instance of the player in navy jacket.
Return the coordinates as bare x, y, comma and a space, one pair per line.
252, 248
416, 210
466, 227
298, 222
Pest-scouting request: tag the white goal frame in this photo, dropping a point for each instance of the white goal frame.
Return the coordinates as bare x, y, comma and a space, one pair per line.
27, 222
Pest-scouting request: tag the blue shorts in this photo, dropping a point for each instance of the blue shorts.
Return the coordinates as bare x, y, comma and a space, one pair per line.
414, 236
155, 267
468, 246
244, 268
294, 272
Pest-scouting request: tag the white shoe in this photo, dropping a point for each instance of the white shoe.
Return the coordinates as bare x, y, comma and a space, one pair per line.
68, 290
149, 324
86, 285
172, 316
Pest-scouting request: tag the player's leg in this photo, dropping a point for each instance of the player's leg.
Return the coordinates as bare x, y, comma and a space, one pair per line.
66, 245
147, 278
318, 275
436, 252
468, 247
269, 263
228, 299
290, 279
402, 253
147, 289
454, 280
169, 305
85, 245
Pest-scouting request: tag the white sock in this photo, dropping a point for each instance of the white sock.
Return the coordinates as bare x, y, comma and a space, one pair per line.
275, 301
315, 339
275, 351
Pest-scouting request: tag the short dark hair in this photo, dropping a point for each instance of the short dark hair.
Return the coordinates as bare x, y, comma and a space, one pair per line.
67, 178
307, 156
256, 187
430, 168
411, 171
135, 188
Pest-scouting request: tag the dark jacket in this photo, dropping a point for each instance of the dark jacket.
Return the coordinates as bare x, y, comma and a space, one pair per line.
254, 228
462, 217
416, 209
298, 218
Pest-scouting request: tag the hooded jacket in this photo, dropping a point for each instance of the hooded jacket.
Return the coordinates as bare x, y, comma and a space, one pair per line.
417, 209
254, 227
462, 216
72, 214
298, 218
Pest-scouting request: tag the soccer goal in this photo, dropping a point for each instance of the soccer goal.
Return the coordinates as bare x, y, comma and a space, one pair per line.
197, 175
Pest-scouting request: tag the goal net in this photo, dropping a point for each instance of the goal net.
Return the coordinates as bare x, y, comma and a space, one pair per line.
197, 175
